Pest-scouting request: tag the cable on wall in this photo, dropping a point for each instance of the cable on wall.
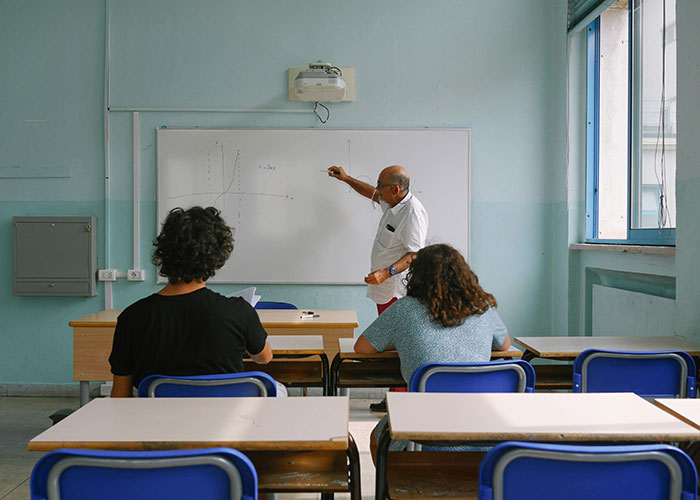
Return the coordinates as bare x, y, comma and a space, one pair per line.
320, 118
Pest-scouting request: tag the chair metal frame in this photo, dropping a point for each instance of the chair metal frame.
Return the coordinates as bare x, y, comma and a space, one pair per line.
686, 385
681, 469
265, 384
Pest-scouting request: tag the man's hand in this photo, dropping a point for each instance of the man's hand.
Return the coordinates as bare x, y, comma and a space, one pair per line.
338, 173
377, 277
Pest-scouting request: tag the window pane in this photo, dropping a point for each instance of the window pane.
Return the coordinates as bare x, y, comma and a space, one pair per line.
614, 122
653, 203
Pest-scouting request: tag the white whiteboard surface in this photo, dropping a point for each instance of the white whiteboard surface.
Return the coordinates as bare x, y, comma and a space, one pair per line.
294, 224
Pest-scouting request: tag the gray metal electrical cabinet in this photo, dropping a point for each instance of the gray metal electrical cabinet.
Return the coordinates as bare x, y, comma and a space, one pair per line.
55, 256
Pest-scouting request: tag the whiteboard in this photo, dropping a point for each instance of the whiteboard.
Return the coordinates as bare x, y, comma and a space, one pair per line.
292, 222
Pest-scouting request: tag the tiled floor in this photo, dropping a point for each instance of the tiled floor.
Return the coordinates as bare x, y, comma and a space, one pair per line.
22, 418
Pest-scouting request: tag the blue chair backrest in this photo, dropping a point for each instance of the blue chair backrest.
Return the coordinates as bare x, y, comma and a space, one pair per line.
523, 471
224, 385
491, 376
658, 374
274, 305
205, 474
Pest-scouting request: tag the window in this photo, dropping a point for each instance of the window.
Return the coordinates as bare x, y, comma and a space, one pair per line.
631, 124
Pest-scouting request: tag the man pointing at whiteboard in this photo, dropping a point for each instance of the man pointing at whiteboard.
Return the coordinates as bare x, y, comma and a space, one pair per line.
401, 233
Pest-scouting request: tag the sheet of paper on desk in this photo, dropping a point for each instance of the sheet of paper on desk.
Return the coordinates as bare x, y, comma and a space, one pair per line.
248, 294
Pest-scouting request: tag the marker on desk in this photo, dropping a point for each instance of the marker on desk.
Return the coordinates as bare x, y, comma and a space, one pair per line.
308, 315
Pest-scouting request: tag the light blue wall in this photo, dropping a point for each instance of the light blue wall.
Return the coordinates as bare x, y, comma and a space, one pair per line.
688, 171
497, 67
676, 277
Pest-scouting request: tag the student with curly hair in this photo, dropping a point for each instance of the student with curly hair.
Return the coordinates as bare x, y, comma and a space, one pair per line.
185, 328
446, 317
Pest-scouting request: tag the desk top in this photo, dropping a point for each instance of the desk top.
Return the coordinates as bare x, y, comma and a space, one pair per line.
532, 417
278, 318
296, 344
247, 424
570, 347
347, 351
685, 409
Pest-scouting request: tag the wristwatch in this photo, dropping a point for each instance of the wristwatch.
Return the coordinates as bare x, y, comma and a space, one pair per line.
392, 270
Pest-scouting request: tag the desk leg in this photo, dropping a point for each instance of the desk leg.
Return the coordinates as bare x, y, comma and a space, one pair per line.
325, 374
355, 477
84, 392
380, 485
333, 375
528, 356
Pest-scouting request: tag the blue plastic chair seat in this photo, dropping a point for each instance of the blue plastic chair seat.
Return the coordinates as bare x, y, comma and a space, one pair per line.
537, 471
657, 374
274, 305
206, 474
490, 376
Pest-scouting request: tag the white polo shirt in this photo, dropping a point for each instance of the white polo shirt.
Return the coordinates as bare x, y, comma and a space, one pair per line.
402, 229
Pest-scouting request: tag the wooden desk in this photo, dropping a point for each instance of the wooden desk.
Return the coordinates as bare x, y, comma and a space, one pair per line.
296, 444
92, 337
550, 417
685, 409
283, 368
688, 411
567, 348
381, 369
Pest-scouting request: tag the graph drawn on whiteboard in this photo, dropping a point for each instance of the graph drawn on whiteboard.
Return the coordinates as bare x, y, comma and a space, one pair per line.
225, 186
292, 222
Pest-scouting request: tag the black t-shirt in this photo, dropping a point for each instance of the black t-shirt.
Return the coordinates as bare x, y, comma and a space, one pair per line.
198, 333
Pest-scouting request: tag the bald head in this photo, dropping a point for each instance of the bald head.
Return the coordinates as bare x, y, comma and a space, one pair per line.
395, 175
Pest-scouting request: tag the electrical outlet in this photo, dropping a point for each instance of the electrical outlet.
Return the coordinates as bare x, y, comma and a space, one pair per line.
107, 275
136, 275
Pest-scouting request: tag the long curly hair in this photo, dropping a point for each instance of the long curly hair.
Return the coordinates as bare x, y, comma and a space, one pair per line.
192, 244
440, 278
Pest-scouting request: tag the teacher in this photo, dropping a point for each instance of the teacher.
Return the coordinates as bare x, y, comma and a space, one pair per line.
401, 233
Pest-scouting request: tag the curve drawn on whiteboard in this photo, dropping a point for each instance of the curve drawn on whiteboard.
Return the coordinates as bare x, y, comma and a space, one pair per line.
235, 175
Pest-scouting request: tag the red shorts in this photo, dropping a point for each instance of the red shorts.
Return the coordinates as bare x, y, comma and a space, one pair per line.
383, 307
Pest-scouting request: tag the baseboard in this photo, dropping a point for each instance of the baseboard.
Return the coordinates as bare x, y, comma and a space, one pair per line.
46, 390
98, 389
352, 393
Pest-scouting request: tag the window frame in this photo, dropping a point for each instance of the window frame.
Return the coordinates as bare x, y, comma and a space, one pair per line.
651, 236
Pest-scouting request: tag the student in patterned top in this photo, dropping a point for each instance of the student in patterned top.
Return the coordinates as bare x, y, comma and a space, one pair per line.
446, 317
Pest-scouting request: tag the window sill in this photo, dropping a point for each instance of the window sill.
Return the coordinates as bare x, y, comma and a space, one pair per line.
638, 249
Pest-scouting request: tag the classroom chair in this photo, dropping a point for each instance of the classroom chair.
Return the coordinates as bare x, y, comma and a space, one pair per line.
523, 471
491, 376
650, 374
244, 384
204, 474
274, 305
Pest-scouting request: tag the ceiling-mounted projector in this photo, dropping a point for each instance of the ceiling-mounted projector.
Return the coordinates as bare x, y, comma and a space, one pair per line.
320, 83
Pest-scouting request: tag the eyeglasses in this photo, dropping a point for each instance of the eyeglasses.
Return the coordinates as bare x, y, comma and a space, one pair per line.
379, 186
